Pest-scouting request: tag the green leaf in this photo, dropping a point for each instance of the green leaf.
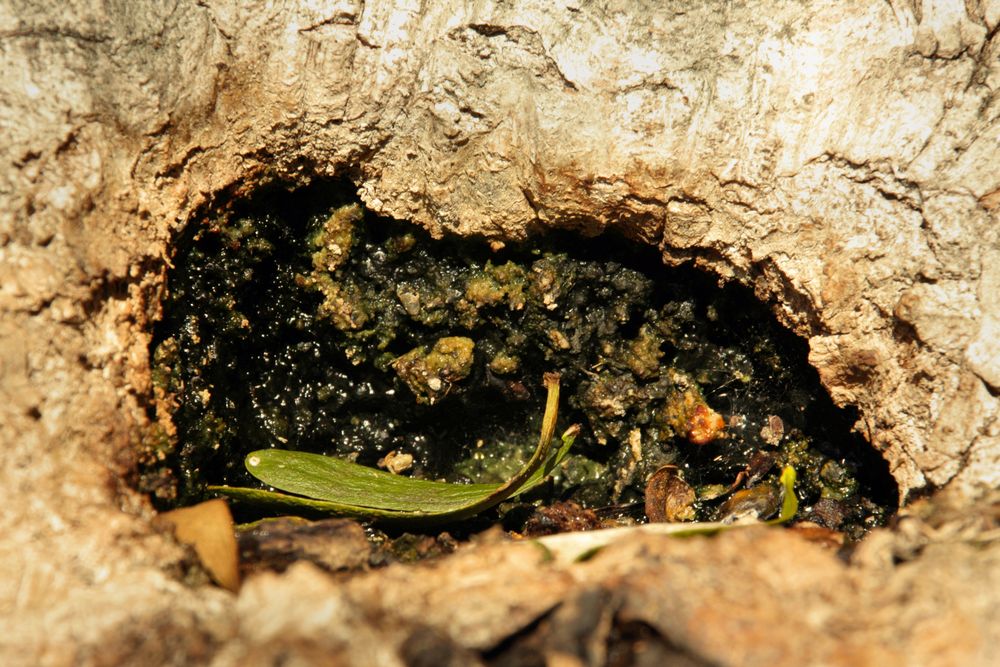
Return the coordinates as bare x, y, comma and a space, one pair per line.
329, 485
790, 504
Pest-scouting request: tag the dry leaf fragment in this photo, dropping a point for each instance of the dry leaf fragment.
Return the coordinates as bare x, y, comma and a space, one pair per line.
208, 527
668, 497
773, 431
396, 462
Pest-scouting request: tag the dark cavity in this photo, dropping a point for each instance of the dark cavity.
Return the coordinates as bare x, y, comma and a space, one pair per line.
294, 321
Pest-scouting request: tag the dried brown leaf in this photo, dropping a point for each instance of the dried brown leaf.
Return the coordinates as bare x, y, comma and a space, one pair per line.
208, 527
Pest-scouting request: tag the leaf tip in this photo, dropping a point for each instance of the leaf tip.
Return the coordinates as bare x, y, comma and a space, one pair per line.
790, 503
571, 432
788, 477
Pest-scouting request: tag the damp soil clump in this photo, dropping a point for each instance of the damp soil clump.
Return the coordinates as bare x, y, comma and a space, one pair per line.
299, 321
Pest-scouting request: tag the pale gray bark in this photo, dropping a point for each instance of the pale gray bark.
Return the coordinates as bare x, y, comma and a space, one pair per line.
839, 158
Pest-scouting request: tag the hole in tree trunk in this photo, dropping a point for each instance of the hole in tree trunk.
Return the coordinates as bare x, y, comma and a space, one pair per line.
294, 322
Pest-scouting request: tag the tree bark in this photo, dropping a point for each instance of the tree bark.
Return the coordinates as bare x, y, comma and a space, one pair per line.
841, 159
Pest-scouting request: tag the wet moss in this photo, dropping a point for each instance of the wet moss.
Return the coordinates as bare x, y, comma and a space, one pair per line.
432, 373
298, 321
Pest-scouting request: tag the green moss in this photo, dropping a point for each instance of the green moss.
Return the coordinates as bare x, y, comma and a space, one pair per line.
431, 374
838, 483
493, 462
343, 303
504, 363
497, 284
643, 354
333, 241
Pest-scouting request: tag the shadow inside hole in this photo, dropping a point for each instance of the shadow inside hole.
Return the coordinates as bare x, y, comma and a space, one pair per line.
248, 357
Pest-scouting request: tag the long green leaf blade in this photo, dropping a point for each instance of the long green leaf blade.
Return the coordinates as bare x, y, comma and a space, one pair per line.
330, 485
339, 481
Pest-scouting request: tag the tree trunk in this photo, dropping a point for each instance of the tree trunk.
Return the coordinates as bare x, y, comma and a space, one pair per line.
840, 158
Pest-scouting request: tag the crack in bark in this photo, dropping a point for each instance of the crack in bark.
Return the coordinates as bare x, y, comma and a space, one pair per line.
509, 32
339, 19
56, 32
173, 170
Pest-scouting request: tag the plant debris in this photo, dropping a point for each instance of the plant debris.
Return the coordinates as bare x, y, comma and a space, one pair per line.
208, 528
560, 517
668, 497
326, 484
579, 546
297, 321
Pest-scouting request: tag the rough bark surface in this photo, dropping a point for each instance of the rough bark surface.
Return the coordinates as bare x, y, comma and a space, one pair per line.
840, 158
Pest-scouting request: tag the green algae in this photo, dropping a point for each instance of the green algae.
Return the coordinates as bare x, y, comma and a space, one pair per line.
431, 373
